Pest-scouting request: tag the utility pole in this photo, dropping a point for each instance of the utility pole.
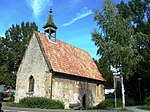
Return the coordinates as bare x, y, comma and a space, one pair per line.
123, 95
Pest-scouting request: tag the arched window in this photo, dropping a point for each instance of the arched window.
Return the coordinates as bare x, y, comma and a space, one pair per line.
31, 84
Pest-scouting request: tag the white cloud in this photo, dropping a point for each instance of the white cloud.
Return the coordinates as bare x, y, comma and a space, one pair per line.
38, 6
84, 13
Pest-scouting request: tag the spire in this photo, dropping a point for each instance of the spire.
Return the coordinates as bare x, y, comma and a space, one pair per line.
50, 21
50, 27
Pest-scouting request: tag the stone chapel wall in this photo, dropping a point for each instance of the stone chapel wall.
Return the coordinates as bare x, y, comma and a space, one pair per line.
71, 90
33, 64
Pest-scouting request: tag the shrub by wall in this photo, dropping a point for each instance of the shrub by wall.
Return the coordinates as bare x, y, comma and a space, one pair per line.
39, 102
106, 104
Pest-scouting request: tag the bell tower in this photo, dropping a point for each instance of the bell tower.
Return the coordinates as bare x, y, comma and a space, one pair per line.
50, 27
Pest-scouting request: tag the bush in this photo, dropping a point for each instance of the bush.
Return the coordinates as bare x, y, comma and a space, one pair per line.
145, 107
119, 102
1, 93
130, 102
109, 96
147, 100
11, 99
39, 102
110, 103
107, 104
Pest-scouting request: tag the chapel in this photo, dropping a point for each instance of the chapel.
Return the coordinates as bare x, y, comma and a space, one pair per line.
57, 70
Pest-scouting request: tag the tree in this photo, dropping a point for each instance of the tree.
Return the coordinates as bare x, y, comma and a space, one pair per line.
139, 11
116, 40
13, 47
104, 69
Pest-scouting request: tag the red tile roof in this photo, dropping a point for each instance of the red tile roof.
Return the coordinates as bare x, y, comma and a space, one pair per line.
65, 58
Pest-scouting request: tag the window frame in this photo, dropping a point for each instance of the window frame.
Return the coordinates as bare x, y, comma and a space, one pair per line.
31, 84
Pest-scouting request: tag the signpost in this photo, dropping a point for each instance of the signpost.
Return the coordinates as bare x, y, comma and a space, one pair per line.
123, 95
119, 78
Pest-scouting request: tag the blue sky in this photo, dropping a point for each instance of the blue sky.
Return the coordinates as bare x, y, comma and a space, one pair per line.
74, 18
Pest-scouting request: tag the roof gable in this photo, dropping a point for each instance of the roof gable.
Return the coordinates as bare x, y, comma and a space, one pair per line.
65, 58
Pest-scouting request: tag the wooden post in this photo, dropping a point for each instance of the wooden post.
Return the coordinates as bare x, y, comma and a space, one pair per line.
0, 106
123, 95
115, 92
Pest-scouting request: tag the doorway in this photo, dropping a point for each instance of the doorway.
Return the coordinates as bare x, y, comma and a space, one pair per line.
84, 101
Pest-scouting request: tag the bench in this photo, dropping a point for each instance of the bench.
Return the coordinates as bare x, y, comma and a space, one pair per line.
75, 106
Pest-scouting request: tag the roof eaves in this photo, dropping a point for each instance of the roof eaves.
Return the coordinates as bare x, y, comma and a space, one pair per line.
101, 80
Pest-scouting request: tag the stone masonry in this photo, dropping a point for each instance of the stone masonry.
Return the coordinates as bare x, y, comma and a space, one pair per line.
58, 86
33, 64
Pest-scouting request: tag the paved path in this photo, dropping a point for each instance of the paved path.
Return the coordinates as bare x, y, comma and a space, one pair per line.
16, 109
135, 109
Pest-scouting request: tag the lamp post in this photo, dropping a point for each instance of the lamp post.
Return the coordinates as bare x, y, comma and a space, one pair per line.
139, 79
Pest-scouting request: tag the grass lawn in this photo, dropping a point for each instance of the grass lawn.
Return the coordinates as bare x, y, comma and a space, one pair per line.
145, 107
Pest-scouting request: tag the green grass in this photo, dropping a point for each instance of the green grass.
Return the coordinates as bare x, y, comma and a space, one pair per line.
145, 107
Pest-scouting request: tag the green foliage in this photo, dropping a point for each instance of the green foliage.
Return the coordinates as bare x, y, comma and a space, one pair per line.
130, 102
1, 94
145, 107
139, 12
11, 99
116, 40
109, 103
38, 102
13, 46
104, 69
110, 95
106, 104
147, 100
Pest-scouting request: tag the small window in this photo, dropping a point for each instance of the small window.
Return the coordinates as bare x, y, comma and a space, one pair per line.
52, 38
76, 82
31, 84
97, 90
